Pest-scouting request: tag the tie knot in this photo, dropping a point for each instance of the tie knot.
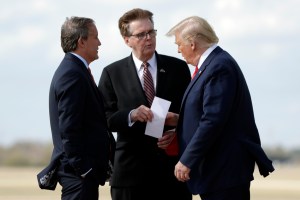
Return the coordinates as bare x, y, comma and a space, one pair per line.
145, 65
195, 72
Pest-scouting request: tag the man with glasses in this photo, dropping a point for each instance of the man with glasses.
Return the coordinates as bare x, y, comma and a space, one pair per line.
143, 165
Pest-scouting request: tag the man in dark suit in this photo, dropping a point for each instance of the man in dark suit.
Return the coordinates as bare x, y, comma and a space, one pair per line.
218, 139
143, 165
82, 143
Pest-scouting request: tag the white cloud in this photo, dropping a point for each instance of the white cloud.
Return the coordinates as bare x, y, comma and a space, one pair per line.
243, 18
31, 35
293, 108
268, 50
26, 36
228, 4
40, 5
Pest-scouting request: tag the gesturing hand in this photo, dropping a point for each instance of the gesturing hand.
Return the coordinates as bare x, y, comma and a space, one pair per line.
142, 114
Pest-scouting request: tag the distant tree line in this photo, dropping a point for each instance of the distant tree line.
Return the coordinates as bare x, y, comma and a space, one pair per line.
283, 156
38, 154
26, 154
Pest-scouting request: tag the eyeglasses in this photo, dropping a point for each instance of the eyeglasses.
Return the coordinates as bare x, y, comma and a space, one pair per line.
143, 35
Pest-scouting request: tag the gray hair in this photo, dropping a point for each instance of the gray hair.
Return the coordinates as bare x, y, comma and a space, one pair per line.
195, 29
73, 29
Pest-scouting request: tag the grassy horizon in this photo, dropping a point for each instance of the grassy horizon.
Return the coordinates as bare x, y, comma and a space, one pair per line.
20, 183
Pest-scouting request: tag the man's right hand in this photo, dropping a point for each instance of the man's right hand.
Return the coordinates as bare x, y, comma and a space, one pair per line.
142, 114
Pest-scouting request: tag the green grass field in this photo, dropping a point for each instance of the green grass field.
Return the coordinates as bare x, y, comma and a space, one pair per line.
21, 184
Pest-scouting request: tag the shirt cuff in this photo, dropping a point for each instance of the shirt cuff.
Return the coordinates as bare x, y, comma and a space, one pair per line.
130, 123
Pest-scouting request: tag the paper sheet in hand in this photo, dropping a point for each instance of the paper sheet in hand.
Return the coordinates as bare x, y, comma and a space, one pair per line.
160, 109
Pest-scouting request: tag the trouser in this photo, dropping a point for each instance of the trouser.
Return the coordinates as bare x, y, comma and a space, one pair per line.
77, 188
241, 192
148, 193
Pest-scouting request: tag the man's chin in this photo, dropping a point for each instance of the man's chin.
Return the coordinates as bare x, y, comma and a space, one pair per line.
149, 51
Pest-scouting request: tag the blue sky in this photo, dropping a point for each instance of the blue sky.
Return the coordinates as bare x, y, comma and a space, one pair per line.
262, 35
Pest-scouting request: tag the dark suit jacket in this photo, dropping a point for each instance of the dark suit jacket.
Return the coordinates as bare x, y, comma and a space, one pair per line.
79, 128
137, 158
217, 133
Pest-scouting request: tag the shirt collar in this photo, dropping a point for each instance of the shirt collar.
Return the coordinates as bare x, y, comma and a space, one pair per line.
138, 63
206, 54
81, 58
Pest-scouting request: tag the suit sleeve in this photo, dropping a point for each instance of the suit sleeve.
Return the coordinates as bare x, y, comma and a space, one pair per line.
71, 93
117, 119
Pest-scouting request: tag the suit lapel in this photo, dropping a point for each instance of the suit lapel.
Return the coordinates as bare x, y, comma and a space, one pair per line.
134, 82
161, 75
202, 68
92, 83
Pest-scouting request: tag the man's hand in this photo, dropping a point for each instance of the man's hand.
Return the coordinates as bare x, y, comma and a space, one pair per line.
171, 119
182, 172
142, 114
166, 139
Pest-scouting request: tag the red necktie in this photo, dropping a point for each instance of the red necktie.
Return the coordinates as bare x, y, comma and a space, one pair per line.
148, 83
195, 72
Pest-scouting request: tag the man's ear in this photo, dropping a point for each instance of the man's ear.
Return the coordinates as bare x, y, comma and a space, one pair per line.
193, 45
126, 40
81, 42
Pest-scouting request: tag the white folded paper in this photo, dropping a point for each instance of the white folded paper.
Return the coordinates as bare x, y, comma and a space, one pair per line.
160, 109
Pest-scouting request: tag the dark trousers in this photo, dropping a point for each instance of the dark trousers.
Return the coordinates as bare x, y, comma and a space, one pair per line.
160, 185
77, 188
150, 193
241, 192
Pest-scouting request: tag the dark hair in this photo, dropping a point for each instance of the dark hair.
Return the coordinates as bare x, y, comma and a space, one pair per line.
72, 29
130, 16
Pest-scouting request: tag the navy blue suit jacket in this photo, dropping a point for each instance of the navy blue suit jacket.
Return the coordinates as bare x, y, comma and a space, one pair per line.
79, 129
218, 137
